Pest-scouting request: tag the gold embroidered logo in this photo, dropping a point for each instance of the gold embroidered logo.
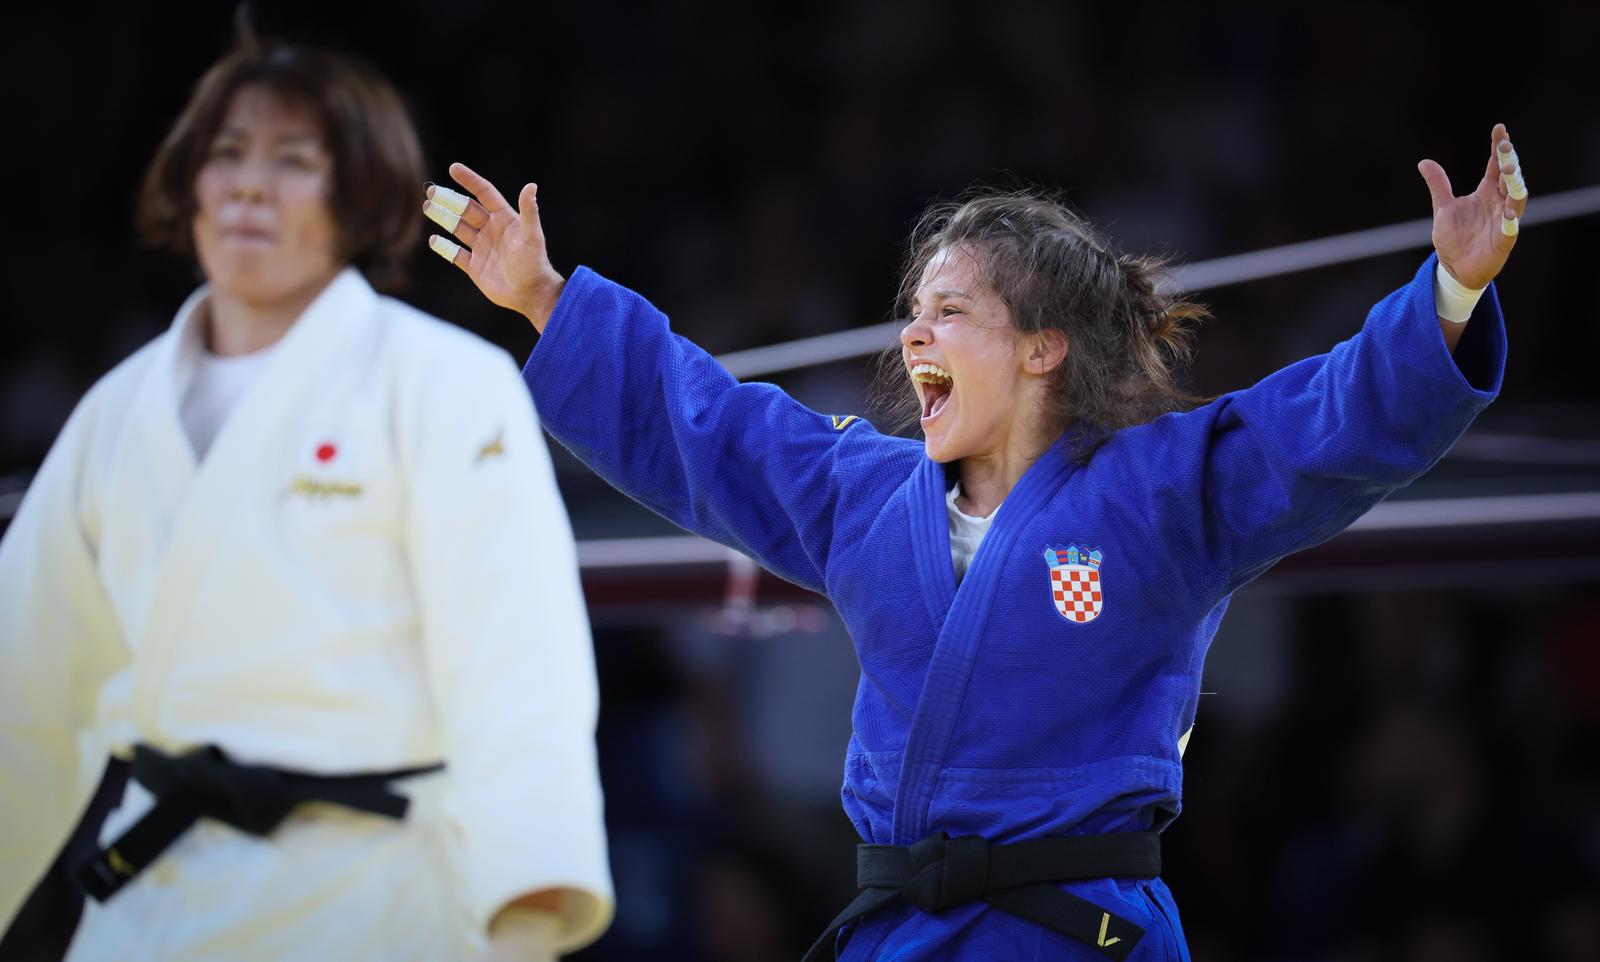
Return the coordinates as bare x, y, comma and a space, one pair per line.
312, 488
119, 864
494, 448
1105, 920
840, 423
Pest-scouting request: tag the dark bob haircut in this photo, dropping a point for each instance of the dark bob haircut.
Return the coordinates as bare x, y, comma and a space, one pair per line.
377, 160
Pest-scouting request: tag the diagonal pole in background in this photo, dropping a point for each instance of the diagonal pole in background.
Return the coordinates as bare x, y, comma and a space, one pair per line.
1219, 272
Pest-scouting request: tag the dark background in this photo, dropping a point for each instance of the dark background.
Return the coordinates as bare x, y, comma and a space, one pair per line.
1399, 760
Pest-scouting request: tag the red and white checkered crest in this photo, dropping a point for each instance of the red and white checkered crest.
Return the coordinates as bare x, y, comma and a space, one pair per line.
1075, 582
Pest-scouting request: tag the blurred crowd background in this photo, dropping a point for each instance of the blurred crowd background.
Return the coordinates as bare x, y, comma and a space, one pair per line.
1397, 755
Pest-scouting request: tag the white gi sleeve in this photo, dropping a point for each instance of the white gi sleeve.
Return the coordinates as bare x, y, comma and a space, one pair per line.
59, 641
510, 657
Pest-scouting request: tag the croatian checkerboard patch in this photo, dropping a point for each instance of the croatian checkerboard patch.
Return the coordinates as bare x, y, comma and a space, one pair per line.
1075, 582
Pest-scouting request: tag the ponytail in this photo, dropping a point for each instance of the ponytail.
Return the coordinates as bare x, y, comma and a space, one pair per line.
1160, 330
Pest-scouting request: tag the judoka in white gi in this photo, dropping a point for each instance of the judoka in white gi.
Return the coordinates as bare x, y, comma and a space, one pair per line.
319, 530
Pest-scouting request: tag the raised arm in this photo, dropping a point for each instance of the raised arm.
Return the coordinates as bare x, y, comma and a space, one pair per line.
742, 464
1473, 235
1296, 458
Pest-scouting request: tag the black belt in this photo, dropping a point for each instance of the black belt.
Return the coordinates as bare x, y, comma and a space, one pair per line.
940, 872
252, 798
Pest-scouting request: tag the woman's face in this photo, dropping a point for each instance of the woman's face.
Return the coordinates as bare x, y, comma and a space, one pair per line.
963, 354
263, 230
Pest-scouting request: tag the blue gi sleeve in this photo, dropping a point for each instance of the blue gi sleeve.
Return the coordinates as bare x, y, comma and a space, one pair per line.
1296, 458
745, 465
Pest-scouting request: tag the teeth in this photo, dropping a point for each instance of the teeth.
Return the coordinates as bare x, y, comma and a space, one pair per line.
930, 374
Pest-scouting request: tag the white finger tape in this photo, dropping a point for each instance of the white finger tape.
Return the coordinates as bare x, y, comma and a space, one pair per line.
1516, 187
1509, 225
448, 219
447, 249
1505, 155
452, 201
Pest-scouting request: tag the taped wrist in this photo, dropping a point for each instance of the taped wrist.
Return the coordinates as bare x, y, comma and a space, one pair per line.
1453, 299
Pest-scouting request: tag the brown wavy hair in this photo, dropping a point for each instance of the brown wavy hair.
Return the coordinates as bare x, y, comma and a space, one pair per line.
377, 159
1127, 341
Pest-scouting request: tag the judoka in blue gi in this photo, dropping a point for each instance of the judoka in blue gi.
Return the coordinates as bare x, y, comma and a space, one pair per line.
1032, 589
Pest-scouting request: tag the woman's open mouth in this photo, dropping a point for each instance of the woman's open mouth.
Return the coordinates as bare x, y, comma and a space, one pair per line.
936, 387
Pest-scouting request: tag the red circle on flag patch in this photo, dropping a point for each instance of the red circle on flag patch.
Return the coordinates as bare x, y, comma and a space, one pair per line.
326, 452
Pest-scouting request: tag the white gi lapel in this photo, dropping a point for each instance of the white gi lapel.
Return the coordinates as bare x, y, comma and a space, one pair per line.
150, 474
242, 467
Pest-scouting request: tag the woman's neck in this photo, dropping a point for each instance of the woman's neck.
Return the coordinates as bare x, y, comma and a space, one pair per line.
985, 482
987, 478
239, 325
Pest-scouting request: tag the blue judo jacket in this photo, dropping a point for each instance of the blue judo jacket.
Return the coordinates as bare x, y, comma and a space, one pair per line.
1046, 693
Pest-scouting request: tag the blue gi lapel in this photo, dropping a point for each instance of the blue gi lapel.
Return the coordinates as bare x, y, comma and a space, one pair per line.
930, 539
960, 616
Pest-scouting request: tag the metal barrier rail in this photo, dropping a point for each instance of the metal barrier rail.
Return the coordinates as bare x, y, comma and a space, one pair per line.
1218, 272
1388, 516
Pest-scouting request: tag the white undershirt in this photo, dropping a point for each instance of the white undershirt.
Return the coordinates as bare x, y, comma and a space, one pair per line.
966, 532
214, 389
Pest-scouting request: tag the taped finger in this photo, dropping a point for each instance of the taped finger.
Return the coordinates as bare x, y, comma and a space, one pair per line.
1509, 225
439, 214
1516, 187
1505, 156
448, 249
453, 201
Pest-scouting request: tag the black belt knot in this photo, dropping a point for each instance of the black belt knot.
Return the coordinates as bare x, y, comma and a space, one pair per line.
941, 872
946, 871
253, 798
206, 783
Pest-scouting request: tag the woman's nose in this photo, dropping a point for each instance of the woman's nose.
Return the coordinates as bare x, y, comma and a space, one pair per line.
914, 334
249, 181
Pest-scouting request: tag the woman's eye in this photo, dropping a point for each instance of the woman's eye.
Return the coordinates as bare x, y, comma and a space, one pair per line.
296, 161
949, 311
224, 152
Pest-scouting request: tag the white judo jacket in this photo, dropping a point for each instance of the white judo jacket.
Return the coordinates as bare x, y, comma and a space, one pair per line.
371, 569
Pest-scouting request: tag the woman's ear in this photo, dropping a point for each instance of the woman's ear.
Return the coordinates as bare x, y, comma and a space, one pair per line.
1045, 351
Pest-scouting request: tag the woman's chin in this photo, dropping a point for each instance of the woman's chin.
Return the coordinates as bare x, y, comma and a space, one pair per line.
939, 449
255, 281
241, 276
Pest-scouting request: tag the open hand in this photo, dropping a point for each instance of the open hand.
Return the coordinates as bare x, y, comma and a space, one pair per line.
1474, 234
505, 250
